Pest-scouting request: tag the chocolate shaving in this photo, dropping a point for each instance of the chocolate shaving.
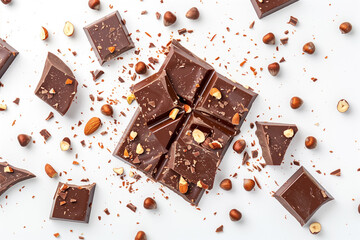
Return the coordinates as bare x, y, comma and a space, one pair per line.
246, 157
336, 172
131, 206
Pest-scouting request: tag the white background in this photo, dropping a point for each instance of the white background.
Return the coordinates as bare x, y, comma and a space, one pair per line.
335, 64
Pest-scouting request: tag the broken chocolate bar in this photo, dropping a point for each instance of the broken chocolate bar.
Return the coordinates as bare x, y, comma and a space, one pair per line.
267, 7
7, 56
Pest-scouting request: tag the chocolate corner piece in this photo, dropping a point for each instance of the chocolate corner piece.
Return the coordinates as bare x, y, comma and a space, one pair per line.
302, 195
264, 8
57, 86
108, 37
73, 202
7, 56
272, 140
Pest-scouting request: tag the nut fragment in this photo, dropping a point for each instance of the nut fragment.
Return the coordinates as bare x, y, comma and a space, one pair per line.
296, 102
24, 139
130, 98
140, 235
126, 153
119, 171
345, 27
193, 13
235, 215
50, 171
132, 135
8, 169
226, 184
65, 144
309, 48
107, 110
139, 149
183, 185
215, 93
315, 228
3, 107
169, 18
44, 33
239, 146
249, 184
343, 106
289, 133
174, 113
269, 38
92, 125
215, 145
274, 68
236, 119
198, 136
310, 142
111, 49
187, 108
94, 4
150, 203
69, 29
140, 68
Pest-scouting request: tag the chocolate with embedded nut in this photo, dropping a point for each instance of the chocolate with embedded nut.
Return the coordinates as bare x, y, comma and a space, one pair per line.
7, 56
267, 7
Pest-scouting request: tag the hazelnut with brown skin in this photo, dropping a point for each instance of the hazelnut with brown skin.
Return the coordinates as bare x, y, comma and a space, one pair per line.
140, 68
107, 110
150, 203
274, 68
193, 13
296, 102
315, 228
269, 39
226, 184
239, 146
235, 215
169, 18
310, 142
24, 139
6, 1
140, 235
345, 27
309, 48
94, 4
249, 184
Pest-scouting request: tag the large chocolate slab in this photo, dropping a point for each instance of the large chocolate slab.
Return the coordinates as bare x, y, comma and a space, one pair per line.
7, 56
267, 7
57, 86
153, 149
235, 99
187, 72
155, 96
73, 202
108, 37
302, 195
272, 140
10, 175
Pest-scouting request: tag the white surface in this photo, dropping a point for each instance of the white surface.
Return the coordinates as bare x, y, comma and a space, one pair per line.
22, 217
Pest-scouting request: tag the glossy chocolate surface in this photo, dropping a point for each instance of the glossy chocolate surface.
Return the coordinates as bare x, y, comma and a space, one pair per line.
7, 56
267, 7
302, 195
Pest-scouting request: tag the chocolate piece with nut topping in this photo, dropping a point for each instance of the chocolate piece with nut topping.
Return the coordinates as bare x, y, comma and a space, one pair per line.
274, 140
9, 176
73, 202
108, 37
267, 7
302, 195
7, 56
57, 86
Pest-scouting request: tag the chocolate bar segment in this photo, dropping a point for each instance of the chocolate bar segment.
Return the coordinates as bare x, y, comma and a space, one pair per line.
187, 72
73, 202
155, 96
7, 56
57, 86
234, 99
267, 7
273, 141
302, 195
10, 175
108, 37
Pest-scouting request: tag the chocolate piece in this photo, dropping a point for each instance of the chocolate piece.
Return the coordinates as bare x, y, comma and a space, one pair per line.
272, 140
7, 56
126, 149
108, 37
50, 116
267, 7
57, 86
302, 195
131, 206
155, 96
46, 135
96, 74
16, 101
246, 158
73, 202
9, 176
235, 99
187, 72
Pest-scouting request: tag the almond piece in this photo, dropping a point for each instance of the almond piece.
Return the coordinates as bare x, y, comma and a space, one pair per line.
198, 136
183, 185
50, 171
187, 108
3, 107
174, 113
111, 49
119, 171
44, 33
130, 98
92, 125
139, 149
69, 29
289, 133
215, 93
215, 145
200, 184
126, 153
8, 169
133, 135
236, 119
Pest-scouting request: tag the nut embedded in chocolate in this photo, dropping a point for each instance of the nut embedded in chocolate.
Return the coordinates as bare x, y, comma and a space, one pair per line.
296, 102
274, 68
198, 136
24, 139
235, 215
249, 184
309, 48
183, 185
239, 146
345, 27
343, 106
226, 184
140, 235
140, 68
150, 203
310, 142
269, 38
94, 4
193, 13
169, 18
315, 228
107, 110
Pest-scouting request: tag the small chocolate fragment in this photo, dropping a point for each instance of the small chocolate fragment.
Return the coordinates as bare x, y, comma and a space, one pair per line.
220, 229
17, 101
46, 135
50, 116
246, 158
267, 7
293, 21
254, 154
336, 172
131, 206
7, 56
97, 74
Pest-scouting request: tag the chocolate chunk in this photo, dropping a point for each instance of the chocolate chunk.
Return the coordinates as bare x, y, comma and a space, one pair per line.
293, 21
57, 86
108, 37
284, 41
302, 195
7, 56
131, 206
17, 101
336, 172
50, 116
246, 158
10, 175
96, 74
254, 154
73, 202
46, 135
273, 140
267, 7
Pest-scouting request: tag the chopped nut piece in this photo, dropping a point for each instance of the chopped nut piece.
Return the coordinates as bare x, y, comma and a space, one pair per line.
111, 49
289, 133
130, 98
139, 149
187, 108
68, 81
8, 169
343, 106
132, 135
198, 136
126, 154
236, 119
69, 29
215, 93
3, 107
174, 113
119, 171
215, 145
183, 185
44, 33
65, 144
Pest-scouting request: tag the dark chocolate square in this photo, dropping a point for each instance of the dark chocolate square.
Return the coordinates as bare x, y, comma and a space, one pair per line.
108, 37
267, 7
7, 56
73, 202
302, 195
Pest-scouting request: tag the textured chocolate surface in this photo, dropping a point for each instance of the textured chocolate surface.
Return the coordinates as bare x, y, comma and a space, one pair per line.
7, 56
73, 202
57, 86
267, 7
302, 195
273, 141
9, 179
108, 37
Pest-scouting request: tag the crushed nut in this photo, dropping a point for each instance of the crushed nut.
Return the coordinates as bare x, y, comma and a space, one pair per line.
139, 149
174, 113
289, 133
133, 135
198, 136
215, 93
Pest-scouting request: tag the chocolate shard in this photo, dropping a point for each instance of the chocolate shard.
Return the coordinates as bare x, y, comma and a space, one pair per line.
73, 202
10, 175
7, 56
108, 37
267, 7
302, 195
274, 140
57, 86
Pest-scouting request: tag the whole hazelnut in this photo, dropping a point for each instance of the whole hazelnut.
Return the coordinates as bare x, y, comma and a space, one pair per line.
140, 235
6, 1
140, 68
193, 13
239, 146
269, 38
315, 228
107, 110
343, 106
309, 48
274, 68
94, 4
150, 203
169, 18
296, 102
249, 184
359, 208
310, 142
345, 27
24, 139
226, 184
235, 215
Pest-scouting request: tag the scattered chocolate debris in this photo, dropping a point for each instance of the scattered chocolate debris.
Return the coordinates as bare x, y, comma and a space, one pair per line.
131, 206
45, 134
